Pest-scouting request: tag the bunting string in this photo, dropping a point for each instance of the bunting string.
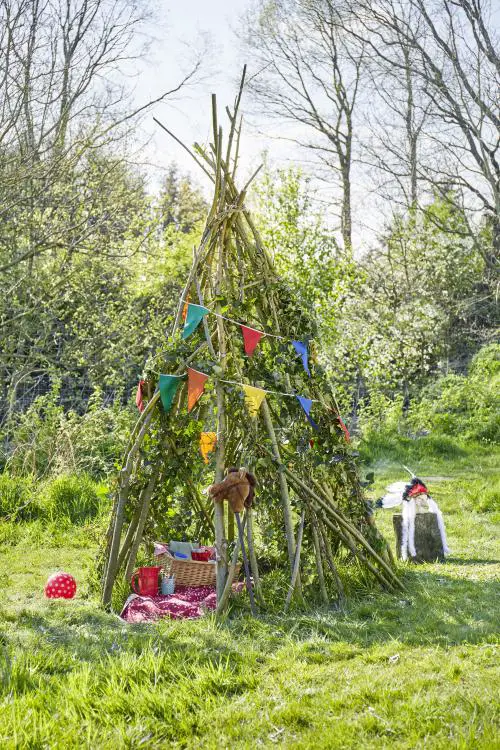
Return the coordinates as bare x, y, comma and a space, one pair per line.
266, 390
238, 323
192, 315
251, 336
254, 395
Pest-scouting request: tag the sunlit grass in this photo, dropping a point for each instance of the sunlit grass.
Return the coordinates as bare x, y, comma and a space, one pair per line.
407, 671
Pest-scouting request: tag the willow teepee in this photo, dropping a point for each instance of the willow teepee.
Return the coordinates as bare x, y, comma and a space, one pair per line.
241, 376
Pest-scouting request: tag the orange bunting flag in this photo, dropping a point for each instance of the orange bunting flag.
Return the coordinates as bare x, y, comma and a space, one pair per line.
251, 337
253, 398
208, 441
185, 310
196, 386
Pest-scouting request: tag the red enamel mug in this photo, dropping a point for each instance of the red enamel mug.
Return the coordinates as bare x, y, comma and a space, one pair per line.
144, 581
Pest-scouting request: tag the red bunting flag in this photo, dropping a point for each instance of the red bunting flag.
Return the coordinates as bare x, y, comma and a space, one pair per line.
196, 386
251, 338
138, 396
344, 428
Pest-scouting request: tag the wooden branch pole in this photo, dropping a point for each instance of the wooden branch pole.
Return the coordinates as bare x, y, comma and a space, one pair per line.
326, 505
129, 536
111, 570
349, 543
253, 558
224, 598
330, 561
345, 534
248, 581
364, 542
220, 532
317, 553
146, 496
285, 498
296, 562
230, 524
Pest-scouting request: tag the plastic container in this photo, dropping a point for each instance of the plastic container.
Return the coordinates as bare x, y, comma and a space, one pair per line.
201, 555
167, 585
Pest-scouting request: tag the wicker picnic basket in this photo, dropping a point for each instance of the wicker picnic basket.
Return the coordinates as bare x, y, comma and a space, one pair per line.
190, 572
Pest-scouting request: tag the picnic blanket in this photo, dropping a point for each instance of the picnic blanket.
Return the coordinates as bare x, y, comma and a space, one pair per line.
188, 602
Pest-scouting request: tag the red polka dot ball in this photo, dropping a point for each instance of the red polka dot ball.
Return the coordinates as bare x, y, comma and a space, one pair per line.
60, 586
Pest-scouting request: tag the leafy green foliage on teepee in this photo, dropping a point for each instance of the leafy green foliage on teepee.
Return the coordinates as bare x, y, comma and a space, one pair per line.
303, 466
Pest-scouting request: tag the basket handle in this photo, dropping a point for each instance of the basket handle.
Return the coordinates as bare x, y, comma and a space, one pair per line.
133, 581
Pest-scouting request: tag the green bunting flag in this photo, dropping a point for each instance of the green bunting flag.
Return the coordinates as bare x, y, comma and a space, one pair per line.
168, 386
195, 313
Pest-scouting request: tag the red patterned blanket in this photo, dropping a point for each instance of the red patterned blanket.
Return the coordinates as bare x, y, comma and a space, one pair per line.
188, 602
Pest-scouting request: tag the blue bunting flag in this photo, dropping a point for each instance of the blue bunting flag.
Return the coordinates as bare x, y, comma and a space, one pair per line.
301, 349
306, 404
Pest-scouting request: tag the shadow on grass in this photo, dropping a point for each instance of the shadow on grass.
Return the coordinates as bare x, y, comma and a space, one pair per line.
91, 635
470, 561
393, 448
436, 609
439, 609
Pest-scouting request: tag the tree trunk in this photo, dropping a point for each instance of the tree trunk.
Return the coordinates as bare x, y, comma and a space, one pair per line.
428, 543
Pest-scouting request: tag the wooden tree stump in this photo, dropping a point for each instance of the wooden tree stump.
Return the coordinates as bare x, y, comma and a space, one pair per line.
428, 543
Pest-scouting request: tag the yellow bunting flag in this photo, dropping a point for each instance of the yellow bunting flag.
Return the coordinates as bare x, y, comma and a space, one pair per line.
253, 398
208, 442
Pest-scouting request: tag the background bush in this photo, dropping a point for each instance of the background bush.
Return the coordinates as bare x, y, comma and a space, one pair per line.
454, 406
16, 498
47, 440
74, 498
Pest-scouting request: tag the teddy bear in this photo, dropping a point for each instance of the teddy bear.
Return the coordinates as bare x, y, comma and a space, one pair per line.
238, 488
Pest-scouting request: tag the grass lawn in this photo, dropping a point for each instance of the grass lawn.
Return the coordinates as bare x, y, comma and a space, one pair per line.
417, 670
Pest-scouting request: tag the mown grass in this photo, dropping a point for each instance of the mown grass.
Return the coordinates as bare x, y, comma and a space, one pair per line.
408, 671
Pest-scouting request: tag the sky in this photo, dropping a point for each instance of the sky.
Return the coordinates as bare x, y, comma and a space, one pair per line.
183, 28
188, 26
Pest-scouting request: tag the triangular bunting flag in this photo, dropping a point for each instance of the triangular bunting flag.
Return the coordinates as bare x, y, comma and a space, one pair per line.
138, 396
208, 441
185, 309
168, 385
306, 404
301, 349
251, 337
344, 428
196, 386
253, 398
195, 313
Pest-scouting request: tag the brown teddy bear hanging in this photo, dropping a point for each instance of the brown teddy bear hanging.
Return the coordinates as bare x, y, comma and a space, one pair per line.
238, 488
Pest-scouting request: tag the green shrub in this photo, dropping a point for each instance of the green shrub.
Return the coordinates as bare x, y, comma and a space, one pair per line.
467, 407
454, 406
99, 436
47, 440
405, 450
17, 498
381, 415
486, 363
73, 497
32, 437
